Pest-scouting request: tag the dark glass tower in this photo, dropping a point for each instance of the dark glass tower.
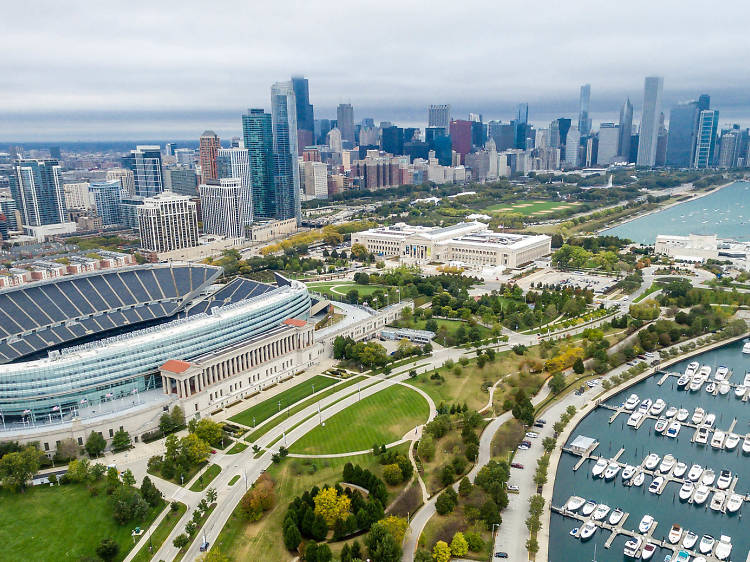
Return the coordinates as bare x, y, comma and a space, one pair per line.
305, 113
286, 177
257, 133
39, 192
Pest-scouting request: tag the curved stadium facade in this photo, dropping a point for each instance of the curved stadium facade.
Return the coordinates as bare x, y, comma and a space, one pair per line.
105, 334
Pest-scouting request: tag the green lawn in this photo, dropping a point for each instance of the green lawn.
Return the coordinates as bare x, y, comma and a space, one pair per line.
61, 523
381, 418
266, 409
234, 479
238, 448
340, 288
528, 208
206, 478
159, 535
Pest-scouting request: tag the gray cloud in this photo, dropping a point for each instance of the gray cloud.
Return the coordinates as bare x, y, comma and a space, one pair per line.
166, 66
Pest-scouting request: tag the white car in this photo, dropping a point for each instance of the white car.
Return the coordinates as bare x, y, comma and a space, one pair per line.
513, 488
532, 435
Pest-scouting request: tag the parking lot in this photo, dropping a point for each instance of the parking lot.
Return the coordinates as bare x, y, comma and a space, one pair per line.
598, 283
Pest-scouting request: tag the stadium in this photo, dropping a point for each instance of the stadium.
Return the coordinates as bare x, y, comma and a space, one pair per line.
93, 343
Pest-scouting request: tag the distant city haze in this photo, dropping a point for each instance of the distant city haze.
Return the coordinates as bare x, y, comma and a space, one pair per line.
77, 71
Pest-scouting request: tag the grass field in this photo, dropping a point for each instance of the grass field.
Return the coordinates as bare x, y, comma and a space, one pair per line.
381, 418
237, 448
61, 523
161, 532
340, 288
206, 478
261, 412
532, 208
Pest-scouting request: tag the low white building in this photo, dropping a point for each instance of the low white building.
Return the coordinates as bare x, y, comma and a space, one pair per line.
694, 247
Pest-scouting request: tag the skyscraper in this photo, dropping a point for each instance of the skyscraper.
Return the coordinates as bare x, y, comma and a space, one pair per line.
305, 113
107, 196
225, 208
520, 125
439, 116
609, 135
683, 129
235, 163
393, 140
345, 119
125, 177
167, 222
181, 179
461, 137
705, 144
584, 121
145, 163
286, 176
572, 145
209, 149
729, 148
626, 130
257, 133
38, 192
652, 90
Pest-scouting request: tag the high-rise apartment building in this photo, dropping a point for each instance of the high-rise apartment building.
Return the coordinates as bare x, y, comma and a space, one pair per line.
208, 151
226, 208
78, 195
315, 179
729, 148
439, 116
584, 121
286, 170
683, 132
39, 193
145, 163
333, 140
235, 163
609, 135
257, 132
125, 177
181, 179
572, 146
705, 143
345, 123
185, 156
168, 222
107, 196
626, 130
649, 133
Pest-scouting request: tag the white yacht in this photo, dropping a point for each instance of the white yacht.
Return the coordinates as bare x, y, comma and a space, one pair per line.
631, 402
674, 429
656, 484
705, 372
686, 490
651, 461
732, 441
638, 479
616, 516
701, 495
735, 503
683, 381
632, 546
675, 534
661, 424
635, 418
646, 522
600, 512
599, 467
588, 507
724, 388
695, 384
690, 539
698, 416
723, 548
706, 544
739, 391
667, 463
645, 405
679, 469
711, 387
695, 472
717, 440
648, 551
746, 444
717, 501
702, 436
612, 469
658, 407
724, 479
588, 530
575, 503
692, 368
709, 420
721, 373
746, 347
671, 412
628, 472
708, 477
682, 414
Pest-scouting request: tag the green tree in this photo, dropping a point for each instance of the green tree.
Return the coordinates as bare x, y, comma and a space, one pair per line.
578, 366
557, 383
392, 474
150, 493
17, 468
121, 440
128, 505
459, 546
292, 537
446, 502
381, 544
210, 431
181, 541
95, 444
441, 552
107, 549
464, 488
195, 449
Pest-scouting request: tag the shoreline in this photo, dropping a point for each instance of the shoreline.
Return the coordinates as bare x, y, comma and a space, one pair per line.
665, 207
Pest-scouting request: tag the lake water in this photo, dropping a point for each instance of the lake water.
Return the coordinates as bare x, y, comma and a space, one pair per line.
666, 508
725, 213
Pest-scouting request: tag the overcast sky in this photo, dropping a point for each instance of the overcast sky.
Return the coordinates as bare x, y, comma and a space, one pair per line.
170, 69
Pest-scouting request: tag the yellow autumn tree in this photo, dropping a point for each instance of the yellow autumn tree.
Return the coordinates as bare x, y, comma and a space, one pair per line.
441, 552
396, 527
331, 505
564, 359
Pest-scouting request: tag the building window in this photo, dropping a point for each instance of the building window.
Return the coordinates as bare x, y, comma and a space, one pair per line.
46, 446
80, 440
110, 432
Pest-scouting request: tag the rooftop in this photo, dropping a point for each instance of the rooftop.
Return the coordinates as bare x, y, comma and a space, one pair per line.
176, 366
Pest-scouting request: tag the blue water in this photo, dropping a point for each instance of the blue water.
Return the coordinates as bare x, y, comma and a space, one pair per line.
667, 508
725, 213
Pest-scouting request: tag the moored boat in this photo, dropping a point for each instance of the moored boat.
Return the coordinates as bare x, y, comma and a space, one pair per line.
588, 530
683, 381
616, 516
692, 368
746, 444
695, 472
711, 387
690, 539
588, 507
599, 467
739, 391
600, 512
721, 373
645, 405
675, 534
701, 495
732, 441
709, 420
660, 425
724, 480
698, 416
682, 414
612, 469
635, 418
657, 407
717, 501
708, 477
701, 437
724, 388
746, 347
648, 551
746, 380
638, 479
671, 412
674, 429
704, 372
656, 485
667, 463
686, 490
706, 544
723, 548
574, 503
632, 546
646, 522
717, 439
628, 472
695, 384
682, 556
679, 469
651, 461
631, 402
734, 503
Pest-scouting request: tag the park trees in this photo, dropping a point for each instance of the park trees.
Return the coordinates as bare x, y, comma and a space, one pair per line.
95, 444
441, 552
208, 430
17, 468
121, 440
331, 505
258, 499
459, 546
107, 549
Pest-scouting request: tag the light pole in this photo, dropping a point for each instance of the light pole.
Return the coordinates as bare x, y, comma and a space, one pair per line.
494, 525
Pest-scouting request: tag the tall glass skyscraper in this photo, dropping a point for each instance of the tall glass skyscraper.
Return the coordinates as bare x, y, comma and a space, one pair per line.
345, 122
652, 89
626, 130
38, 191
286, 176
107, 196
257, 133
235, 163
305, 112
145, 163
705, 144
683, 132
584, 121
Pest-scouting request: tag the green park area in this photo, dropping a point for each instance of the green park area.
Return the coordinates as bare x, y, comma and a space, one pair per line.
339, 289
381, 418
61, 523
533, 208
261, 412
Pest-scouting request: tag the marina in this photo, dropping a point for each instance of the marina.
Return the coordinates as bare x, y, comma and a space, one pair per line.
694, 486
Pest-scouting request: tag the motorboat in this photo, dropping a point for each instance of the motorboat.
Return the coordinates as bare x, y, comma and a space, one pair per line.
635, 418
724, 479
675, 534
646, 523
739, 391
717, 440
723, 547
682, 556
711, 387
588, 507
692, 368
734, 503
698, 416
628, 472
674, 429
601, 511
686, 490
588, 530
706, 544
599, 467
657, 407
704, 372
746, 444
721, 373
746, 347
709, 420
631, 402
574, 531
679, 470
708, 477
632, 546
651, 461
724, 388
695, 384
656, 484
575, 503
695, 472
612, 469
683, 381
732, 441
661, 424
648, 551
638, 479
701, 437
671, 412
717, 500
701, 495
645, 406
682, 414
690, 539
616, 516
667, 463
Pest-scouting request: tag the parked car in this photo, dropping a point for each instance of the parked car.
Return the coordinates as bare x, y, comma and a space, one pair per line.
537, 424
532, 434
526, 442
204, 546
541, 421
501, 555
512, 488
516, 465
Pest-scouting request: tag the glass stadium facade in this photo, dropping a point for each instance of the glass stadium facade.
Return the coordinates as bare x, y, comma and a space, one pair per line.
122, 365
